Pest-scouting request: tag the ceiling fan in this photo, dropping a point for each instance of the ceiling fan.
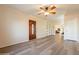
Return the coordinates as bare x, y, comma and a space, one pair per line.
47, 9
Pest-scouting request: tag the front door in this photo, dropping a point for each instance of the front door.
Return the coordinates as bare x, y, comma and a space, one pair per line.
32, 29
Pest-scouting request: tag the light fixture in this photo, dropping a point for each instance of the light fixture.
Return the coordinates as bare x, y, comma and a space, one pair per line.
47, 9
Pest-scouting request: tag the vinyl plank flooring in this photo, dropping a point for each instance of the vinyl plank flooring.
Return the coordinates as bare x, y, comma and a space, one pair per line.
50, 45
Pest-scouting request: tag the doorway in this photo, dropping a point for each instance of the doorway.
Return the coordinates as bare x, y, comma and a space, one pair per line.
32, 29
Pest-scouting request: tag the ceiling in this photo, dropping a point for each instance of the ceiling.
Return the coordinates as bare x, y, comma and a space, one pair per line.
61, 9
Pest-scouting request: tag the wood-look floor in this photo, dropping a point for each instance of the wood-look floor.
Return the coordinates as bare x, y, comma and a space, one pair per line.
51, 45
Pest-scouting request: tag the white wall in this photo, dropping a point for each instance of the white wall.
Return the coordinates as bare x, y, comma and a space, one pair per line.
78, 27
70, 27
14, 26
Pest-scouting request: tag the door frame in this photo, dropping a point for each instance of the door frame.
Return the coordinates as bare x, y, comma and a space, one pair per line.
30, 30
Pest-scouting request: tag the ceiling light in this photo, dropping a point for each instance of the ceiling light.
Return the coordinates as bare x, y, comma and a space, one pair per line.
47, 9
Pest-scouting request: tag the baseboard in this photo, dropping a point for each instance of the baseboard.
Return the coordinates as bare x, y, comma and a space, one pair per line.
12, 47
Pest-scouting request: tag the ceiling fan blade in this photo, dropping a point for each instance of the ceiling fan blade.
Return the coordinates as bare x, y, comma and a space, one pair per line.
53, 12
53, 7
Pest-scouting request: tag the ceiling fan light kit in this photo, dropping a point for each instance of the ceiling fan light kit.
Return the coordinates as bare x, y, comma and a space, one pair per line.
47, 9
